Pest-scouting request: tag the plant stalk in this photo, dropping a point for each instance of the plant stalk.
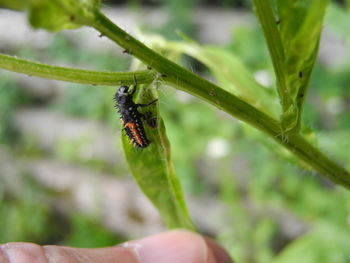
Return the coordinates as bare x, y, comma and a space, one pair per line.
189, 82
269, 25
91, 77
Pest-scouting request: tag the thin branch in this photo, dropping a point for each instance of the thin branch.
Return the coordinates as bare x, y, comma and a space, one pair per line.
268, 22
32, 68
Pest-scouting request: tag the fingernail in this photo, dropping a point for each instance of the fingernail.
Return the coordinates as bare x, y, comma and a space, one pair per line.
218, 252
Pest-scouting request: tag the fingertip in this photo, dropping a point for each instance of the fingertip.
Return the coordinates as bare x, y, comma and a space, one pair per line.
170, 247
177, 246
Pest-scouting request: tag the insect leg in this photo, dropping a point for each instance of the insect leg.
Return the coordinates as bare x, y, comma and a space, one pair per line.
145, 105
135, 86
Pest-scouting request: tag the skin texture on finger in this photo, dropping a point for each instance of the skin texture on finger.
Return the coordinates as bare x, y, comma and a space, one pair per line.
32, 253
177, 246
22, 253
2, 257
58, 254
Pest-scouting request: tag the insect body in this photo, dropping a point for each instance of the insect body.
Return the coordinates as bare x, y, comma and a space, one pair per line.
130, 116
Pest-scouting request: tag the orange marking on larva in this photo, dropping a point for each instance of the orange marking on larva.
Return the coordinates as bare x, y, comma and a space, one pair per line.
133, 129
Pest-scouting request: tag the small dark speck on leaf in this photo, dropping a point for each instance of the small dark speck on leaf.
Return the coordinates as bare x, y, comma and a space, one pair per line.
212, 93
300, 74
152, 122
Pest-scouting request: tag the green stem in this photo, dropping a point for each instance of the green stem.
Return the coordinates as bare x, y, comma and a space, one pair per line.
187, 81
268, 22
74, 75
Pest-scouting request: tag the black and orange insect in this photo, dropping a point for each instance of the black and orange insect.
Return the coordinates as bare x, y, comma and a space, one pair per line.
130, 116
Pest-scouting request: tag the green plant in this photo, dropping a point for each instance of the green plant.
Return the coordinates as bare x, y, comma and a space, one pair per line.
292, 31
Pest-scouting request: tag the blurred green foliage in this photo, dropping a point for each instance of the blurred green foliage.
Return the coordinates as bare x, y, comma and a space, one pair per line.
275, 211
28, 213
10, 99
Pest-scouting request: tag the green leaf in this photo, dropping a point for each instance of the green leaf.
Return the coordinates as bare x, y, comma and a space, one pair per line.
152, 167
325, 243
292, 30
233, 76
300, 26
50, 17
55, 15
14, 4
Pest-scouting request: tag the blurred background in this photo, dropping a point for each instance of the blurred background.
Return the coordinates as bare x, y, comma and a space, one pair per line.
63, 178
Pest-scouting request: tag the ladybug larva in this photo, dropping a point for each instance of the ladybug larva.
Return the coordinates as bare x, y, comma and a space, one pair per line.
130, 116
